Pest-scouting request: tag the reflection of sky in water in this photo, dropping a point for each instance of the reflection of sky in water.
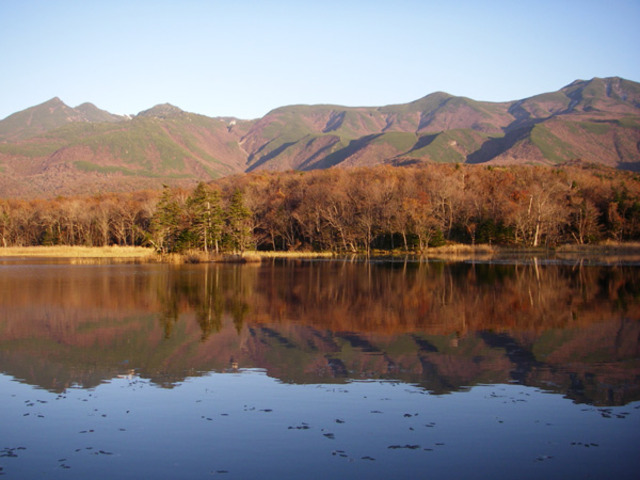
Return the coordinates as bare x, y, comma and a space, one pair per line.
248, 425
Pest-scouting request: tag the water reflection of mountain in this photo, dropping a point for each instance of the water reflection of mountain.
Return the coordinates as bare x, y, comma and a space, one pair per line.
570, 330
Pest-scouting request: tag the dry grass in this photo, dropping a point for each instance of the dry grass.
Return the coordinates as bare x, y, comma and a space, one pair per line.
79, 252
460, 252
292, 254
605, 247
609, 251
458, 248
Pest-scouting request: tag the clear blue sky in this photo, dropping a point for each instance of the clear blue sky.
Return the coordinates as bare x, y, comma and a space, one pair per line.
243, 58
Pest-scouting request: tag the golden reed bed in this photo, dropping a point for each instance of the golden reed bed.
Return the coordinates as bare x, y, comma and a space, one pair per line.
610, 251
79, 254
61, 251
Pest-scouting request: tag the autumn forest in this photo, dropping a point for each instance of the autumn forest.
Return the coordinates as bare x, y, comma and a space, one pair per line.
354, 210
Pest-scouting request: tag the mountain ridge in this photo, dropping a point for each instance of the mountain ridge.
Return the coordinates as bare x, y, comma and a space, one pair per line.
53, 149
49, 115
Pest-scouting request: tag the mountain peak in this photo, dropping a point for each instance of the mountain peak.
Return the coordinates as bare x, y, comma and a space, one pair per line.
604, 94
163, 110
86, 106
37, 119
54, 101
91, 113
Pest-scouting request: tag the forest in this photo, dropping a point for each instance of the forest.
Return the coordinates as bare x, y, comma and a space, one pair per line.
356, 210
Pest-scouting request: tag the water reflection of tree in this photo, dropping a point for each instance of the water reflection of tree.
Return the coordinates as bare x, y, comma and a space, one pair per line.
339, 296
399, 298
209, 312
209, 292
440, 325
169, 298
208, 304
441, 299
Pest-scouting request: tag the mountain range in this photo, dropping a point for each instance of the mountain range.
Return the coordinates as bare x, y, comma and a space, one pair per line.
53, 149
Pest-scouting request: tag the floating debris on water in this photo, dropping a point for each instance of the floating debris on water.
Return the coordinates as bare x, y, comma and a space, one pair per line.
302, 426
580, 444
542, 458
10, 452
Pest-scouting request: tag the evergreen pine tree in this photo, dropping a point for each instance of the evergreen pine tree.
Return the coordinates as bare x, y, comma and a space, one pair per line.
165, 223
238, 223
206, 217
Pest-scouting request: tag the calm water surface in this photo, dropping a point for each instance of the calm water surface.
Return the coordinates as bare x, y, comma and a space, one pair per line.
319, 370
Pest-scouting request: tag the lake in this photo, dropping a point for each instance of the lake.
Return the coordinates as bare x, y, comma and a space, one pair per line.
319, 369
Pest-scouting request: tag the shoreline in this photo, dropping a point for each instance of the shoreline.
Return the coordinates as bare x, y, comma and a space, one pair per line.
607, 253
